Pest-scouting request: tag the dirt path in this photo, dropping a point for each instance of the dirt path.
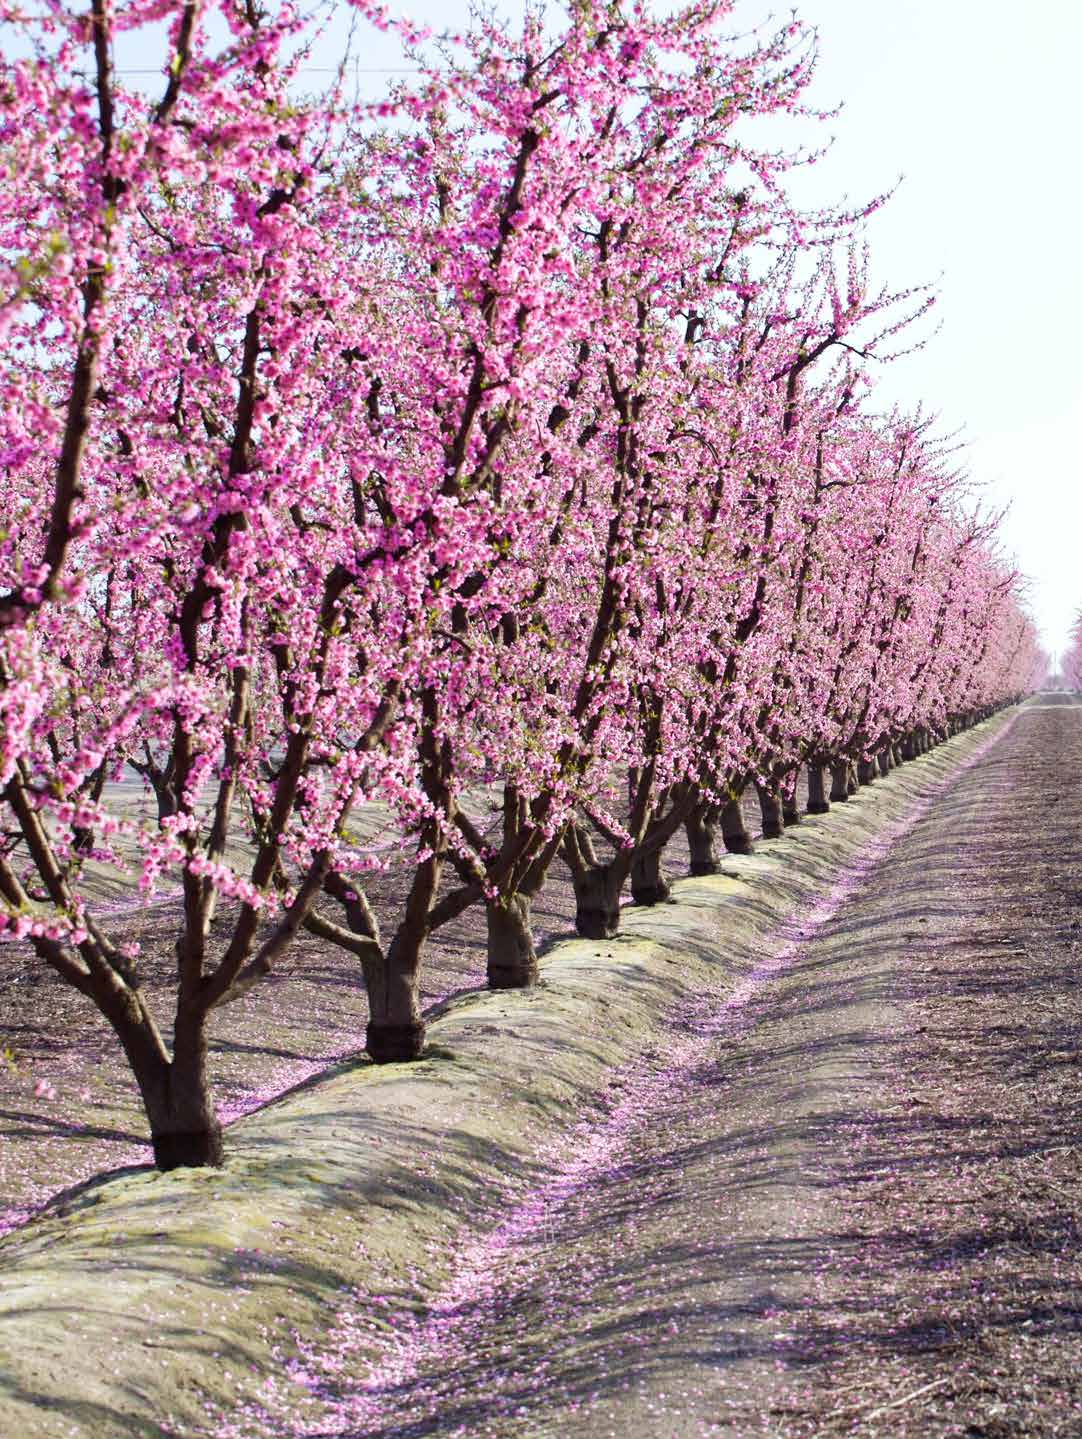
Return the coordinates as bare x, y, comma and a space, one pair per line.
847, 1202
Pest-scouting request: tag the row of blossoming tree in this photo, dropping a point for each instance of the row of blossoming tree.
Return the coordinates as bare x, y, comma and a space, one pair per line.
1070, 664
507, 447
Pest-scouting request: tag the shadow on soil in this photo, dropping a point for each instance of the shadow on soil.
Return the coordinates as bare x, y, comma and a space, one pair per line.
608, 1297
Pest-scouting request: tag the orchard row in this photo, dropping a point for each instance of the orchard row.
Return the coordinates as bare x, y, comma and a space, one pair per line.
505, 448
1070, 664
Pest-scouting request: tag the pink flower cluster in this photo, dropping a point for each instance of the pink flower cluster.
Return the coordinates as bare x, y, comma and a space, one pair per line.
512, 438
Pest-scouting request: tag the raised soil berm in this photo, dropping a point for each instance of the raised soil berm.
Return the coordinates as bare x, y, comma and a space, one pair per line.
193, 1303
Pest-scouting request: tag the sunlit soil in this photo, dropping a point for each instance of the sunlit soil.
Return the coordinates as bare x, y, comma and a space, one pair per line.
69, 1108
844, 1199
841, 1198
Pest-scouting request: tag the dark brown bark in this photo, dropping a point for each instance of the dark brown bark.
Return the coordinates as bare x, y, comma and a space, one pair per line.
734, 833
394, 1043
866, 771
597, 902
175, 1092
852, 784
770, 810
649, 883
790, 810
817, 797
184, 1128
597, 886
701, 830
839, 782
512, 958
395, 1029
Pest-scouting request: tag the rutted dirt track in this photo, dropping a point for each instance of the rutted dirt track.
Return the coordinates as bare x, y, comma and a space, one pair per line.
836, 1192
857, 1209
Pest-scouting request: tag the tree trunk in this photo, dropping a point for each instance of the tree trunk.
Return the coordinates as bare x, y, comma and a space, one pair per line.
649, 883
790, 810
512, 958
597, 901
734, 834
883, 759
701, 830
817, 798
770, 809
866, 771
839, 782
184, 1128
897, 752
396, 1030
597, 886
851, 782
166, 801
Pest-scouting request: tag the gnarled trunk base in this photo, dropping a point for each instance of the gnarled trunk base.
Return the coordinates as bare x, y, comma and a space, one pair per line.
512, 958
734, 834
191, 1149
394, 1043
649, 883
184, 1128
597, 903
839, 782
817, 795
702, 845
770, 812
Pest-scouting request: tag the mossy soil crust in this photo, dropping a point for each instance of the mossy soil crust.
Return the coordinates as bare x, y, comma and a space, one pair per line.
69, 1108
321, 1282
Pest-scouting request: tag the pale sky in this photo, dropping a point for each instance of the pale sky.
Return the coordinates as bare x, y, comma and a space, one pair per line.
974, 103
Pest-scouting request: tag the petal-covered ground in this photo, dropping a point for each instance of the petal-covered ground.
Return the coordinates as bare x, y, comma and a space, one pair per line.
69, 1108
834, 1192
846, 1202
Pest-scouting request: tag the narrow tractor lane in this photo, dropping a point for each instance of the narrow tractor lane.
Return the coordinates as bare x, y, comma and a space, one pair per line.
847, 1203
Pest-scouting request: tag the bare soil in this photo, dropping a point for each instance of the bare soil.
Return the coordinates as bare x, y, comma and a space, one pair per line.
957, 1184
798, 1156
854, 1208
69, 1108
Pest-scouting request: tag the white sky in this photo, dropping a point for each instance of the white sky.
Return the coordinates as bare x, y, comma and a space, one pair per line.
975, 103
